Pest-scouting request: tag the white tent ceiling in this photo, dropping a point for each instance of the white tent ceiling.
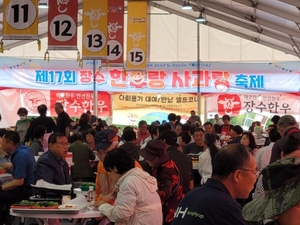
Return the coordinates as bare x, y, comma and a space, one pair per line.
273, 23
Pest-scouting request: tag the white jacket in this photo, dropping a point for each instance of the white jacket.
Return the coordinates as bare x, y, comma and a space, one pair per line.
137, 203
205, 166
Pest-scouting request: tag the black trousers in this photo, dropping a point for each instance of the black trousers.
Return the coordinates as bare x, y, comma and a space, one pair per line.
7, 198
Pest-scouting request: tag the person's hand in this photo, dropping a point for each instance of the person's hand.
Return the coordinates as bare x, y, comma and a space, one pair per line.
98, 203
6, 165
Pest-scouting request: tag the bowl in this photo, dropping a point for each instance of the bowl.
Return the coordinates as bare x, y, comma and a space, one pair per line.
85, 188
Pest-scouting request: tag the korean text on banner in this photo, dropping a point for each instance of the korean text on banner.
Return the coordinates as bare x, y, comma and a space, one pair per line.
115, 32
136, 35
264, 104
94, 29
20, 19
78, 102
176, 102
62, 25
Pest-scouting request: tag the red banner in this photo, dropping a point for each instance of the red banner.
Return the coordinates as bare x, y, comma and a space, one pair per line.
62, 25
78, 102
115, 32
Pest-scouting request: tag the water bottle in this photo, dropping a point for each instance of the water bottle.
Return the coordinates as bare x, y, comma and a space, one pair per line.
91, 194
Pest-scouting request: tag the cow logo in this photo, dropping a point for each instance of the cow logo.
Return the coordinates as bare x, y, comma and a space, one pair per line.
229, 104
33, 99
136, 38
62, 5
113, 29
95, 15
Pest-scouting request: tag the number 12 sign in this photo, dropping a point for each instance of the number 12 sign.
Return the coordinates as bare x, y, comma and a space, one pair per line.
20, 20
62, 25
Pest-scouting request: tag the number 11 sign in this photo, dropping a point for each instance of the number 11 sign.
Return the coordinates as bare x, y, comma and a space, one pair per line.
62, 25
20, 20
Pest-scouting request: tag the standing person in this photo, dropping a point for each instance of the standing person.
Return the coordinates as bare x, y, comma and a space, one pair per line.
168, 178
182, 161
142, 132
287, 125
207, 157
235, 134
172, 121
218, 121
281, 200
233, 176
23, 164
63, 120
92, 118
193, 118
226, 127
137, 200
83, 125
44, 120
258, 130
22, 124
198, 145
82, 154
275, 119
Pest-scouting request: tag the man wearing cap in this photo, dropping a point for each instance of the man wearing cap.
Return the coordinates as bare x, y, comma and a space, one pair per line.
233, 176
287, 125
168, 178
281, 182
235, 134
182, 161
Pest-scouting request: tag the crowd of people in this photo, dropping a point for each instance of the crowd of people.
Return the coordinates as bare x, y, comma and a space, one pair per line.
147, 176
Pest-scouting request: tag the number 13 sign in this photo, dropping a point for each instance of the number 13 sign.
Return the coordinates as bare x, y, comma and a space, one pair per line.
94, 29
62, 25
20, 19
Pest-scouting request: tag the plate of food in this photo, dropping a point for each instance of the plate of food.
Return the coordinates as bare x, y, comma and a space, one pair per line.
68, 206
25, 204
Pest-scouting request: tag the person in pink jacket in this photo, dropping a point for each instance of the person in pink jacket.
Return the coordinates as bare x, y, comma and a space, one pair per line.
137, 200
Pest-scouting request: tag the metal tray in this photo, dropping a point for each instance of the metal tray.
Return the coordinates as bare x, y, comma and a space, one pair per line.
46, 211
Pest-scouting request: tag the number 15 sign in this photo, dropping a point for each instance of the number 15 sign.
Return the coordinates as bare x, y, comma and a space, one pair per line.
20, 19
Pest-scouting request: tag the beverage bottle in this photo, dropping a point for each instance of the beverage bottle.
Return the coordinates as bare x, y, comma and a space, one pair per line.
91, 194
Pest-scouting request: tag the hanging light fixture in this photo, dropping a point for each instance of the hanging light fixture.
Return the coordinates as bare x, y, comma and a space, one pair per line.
186, 5
200, 19
43, 4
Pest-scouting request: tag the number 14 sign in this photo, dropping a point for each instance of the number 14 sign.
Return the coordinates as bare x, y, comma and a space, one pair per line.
62, 25
20, 20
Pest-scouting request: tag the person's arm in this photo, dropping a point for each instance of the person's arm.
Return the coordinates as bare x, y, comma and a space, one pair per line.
275, 155
53, 125
13, 184
29, 132
91, 153
44, 171
125, 205
67, 131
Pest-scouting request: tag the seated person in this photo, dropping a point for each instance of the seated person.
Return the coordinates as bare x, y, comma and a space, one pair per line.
81, 170
37, 143
235, 135
23, 164
51, 166
137, 198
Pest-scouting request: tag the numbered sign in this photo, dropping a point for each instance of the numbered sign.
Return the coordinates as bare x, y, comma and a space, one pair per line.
115, 32
20, 19
136, 35
62, 25
94, 29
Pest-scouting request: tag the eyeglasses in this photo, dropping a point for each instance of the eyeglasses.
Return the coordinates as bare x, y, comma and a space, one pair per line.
256, 172
63, 143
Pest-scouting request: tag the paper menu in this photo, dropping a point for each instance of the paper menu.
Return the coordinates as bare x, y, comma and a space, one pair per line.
80, 202
44, 184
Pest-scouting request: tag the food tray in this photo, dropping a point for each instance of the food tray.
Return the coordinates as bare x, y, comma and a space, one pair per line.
45, 211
